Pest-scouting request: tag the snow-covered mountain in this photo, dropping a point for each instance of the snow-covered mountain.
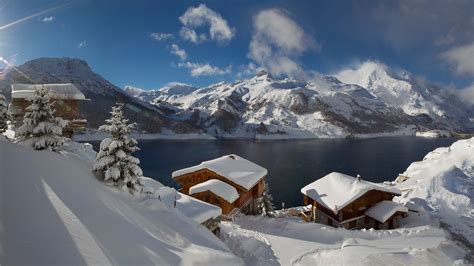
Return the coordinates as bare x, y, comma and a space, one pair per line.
102, 93
371, 99
414, 95
368, 100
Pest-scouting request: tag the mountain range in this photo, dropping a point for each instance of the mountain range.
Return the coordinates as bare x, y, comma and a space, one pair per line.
369, 100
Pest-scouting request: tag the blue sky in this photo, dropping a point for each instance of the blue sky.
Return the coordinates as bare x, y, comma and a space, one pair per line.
150, 43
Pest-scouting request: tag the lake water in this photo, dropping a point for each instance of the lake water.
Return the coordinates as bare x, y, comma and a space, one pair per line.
292, 164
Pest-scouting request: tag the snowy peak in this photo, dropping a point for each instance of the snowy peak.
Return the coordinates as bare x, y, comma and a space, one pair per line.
365, 75
402, 90
177, 88
132, 91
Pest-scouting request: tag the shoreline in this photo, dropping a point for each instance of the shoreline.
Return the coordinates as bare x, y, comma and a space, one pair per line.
196, 136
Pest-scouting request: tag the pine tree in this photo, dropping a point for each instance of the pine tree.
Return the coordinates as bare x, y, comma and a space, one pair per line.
265, 204
114, 159
40, 128
3, 113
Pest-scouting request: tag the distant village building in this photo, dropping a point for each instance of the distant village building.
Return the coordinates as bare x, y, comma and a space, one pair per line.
230, 182
344, 201
66, 97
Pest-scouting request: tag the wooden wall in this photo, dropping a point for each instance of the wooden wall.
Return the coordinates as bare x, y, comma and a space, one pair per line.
357, 208
213, 199
67, 109
362, 204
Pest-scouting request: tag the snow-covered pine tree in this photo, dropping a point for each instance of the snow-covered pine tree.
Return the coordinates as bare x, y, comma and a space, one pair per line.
3, 113
41, 129
265, 204
114, 159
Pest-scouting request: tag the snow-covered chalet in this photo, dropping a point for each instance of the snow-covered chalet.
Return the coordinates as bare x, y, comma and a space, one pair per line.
344, 201
230, 182
66, 97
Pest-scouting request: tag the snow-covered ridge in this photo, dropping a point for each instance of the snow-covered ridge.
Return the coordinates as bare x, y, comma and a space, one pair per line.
362, 102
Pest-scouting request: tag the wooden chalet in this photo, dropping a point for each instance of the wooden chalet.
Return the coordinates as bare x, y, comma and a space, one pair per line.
230, 182
66, 97
344, 201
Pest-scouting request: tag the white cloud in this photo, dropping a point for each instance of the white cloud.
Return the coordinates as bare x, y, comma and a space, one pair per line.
195, 17
467, 94
277, 41
204, 69
248, 70
462, 58
178, 52
157, 36
191, 35
82, 44
48, 19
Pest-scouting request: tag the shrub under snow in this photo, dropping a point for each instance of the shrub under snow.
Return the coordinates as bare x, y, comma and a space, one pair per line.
114, 160
3, 113
41, 129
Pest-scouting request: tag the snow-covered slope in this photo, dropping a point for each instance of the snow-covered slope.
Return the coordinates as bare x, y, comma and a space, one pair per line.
443, 183
370, 101
286, 241
53, 211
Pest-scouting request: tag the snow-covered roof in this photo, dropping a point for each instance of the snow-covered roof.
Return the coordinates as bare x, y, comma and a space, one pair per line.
219, 188
192, 208
233, 167
57, 91
384, 210
335, 190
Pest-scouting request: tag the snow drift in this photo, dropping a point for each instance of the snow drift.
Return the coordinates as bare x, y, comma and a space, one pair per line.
443, 183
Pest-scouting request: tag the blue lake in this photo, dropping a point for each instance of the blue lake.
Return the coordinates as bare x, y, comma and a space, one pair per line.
292, 164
